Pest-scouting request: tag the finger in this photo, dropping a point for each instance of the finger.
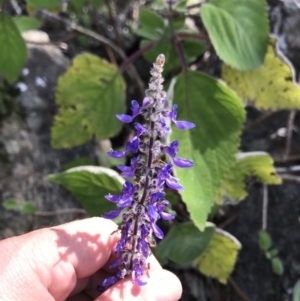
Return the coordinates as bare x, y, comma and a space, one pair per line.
162, 285
82, 248
80, 297
86, 244
52, 259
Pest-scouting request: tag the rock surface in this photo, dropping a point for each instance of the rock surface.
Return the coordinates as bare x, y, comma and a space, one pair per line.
27, 142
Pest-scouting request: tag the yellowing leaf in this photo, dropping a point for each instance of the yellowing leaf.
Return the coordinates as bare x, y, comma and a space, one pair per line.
270, 87
89, 94
219, 257
257, 164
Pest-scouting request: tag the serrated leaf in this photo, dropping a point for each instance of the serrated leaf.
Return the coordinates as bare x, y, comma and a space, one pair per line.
256, 164
238, 30
185, 242
277, 266
89, 94
264, 240
151, 25
270, 87
219, 116
220, 256
296, 291
13, 51
28, 208
89, 184
11, 204
25, 23
44, 3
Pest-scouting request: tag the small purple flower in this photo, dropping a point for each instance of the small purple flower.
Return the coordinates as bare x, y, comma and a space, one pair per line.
143, 203
181, 124
172, 151
131, 145
129, 171
135, 109
140, 130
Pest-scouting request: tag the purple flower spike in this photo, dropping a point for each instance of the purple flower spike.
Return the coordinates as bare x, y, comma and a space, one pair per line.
110, 281
172, 151
143, 202
112, 198
183, 163
140, 130
112, 214
135, 108
124, 118
184, 125
133, 145
167, 216
116, 154
157, 231
181, 124
173, 183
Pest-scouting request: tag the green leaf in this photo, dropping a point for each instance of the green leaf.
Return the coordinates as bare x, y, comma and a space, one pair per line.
193, 49
185, 242
89, 94
178, 21
44, 3
256, 164
11, 204
238, 30
28, 208
76, 6
159, 5
220, 256
152, 25
264, 240
13, 51
25, 23
272, 253
180, 6
271, 86
78, 162
219, 116
89, 184
296, 291
97, 3
277, 266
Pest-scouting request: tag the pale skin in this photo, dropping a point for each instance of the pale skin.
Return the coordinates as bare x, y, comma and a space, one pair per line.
67, 262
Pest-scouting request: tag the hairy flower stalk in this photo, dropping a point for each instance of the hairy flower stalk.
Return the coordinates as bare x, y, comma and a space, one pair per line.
143, 202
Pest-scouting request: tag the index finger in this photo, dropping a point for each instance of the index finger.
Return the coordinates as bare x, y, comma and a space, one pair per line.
86, 244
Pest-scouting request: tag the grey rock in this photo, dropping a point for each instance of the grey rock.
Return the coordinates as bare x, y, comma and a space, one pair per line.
27, 143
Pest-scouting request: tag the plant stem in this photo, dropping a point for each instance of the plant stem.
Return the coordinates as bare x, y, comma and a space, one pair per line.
289, 130
136, 55
265, 207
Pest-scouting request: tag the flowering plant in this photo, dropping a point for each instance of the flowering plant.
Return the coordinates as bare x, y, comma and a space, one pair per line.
144, 201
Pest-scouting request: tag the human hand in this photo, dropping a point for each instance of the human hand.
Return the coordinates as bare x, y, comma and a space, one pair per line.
69, 261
